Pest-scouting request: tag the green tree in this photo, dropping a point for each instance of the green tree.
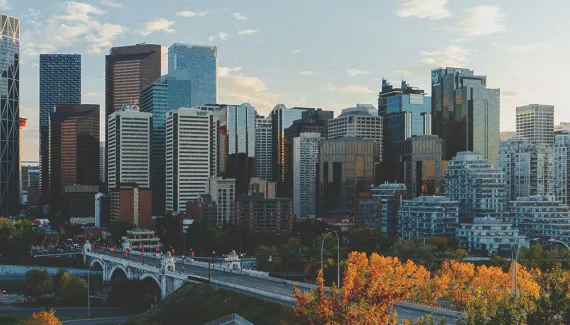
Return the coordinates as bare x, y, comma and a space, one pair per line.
73, 291
262, 255
58, 279
38, 284
460, 254
16, 238
554, 299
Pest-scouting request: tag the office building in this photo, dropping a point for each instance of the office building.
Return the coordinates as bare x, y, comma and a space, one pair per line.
361, 121
346, 168
367, 211
30, 178
190, 155
102, 210
424, 217
263, 148
154, 99
485, 236
132, 205
129, 148
192, 78
260, 186
73, 150
477, 184
203, 209
79, 202
562, 168
465, 113
305, 161
528, 167
102, 163
536, 123
421, 165
223, 193
60, 84
256, 213
389, 195
10, 117
542, 217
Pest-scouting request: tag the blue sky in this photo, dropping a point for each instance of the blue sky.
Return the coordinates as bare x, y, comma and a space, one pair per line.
321, 53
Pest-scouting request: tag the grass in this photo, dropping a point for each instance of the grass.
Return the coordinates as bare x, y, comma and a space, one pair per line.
198, 303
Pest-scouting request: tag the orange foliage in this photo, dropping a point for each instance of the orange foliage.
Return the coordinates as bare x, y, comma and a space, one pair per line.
454, 280
43, 318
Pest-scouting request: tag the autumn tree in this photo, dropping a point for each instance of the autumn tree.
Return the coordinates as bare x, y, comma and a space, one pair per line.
44, 317
38, 284
453, 280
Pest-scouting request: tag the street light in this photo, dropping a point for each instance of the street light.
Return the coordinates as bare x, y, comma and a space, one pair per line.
337, 255
515, 269
552, 240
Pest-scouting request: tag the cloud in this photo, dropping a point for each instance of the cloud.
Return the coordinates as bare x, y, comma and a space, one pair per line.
226, 72
188, 13
306, 73
240, 88
247, 32
221, 36
330, 87
482, 20
296, 51
4, 5
104, 38
239, 16
246, 82
111, 3
158, 25
510, 93
450, 56
421, 9
355, 72
522, 49
357, 89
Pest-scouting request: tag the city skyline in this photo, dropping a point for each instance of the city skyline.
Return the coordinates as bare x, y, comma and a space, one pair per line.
287, 60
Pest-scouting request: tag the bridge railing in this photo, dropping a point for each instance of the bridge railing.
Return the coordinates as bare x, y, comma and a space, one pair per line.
233, 317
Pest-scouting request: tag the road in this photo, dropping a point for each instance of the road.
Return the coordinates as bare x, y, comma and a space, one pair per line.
110, 311
272, 286
99, 321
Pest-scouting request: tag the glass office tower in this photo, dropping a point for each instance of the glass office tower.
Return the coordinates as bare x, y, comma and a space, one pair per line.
192, 75
10, 117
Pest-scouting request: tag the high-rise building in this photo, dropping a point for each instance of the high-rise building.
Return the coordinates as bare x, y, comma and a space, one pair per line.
131, 204
260, 186
541, 216
102, 163
421, 165
73, 150
486, 235
223, 192
60, 84
536, 122
361, 121
10, 117
477, 184
192, 78
390, 196
346, 168
79, 201
129, 148
257, 213
562, 168
529, 167
191, 151
263, 148
30, 178
286, 124
154, 99
428, 216
465, 113
305, 162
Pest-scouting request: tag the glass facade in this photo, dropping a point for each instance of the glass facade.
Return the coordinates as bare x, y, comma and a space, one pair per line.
263, 148
241, 145
10, 117
193, 72
60, 84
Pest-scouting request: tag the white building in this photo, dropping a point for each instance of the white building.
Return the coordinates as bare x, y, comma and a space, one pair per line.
305, 161
489, 235
263, 147
190, 155
428, 216
541, 217
223, 192
562, 167
129, 147
361, 121
536, 122
477, 184
528, 167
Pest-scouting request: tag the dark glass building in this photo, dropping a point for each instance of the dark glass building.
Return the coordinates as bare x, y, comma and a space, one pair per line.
60, 84
73, 150
465, 113
10, 117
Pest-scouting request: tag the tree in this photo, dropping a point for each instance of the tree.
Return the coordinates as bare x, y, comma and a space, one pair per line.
73, 290
453, 280
16, 238
554, 299
59, 278
460, 254
43, 317
262, 255
38, 284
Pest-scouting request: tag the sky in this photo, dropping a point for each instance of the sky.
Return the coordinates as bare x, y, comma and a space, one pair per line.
314, 53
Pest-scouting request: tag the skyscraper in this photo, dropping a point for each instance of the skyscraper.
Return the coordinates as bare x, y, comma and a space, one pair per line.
361, 121
536, 122
192, 75
154, 99
73, 150
263, 148
562, 168
60, 84
465, 113
102, 163
129, 148
305, 161
30, 178
10, 117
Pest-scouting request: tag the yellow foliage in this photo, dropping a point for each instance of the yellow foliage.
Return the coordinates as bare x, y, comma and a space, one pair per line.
43, 318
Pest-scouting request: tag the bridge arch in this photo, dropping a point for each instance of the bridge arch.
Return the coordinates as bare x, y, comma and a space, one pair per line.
153, 290
150, 276
95, 262
118, 272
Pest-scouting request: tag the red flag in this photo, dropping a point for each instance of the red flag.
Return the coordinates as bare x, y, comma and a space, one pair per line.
173, 252
157, 249
143, 247
126, 252
192, 254
141, 254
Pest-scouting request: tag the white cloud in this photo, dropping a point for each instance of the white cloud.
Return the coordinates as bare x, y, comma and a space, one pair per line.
247, 32
188, 13
158, 25
221, 36
78, 11
430, 9
306, 73
242, 88
450, 56
482, 20
104, 38
246, 82
111, 3
510, 92
355, 72
357, 89
330, 87
239, 16
4, 5
296, 51
226, 72
522, 49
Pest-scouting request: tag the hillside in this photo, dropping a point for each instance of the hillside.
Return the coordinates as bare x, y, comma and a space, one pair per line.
198, 303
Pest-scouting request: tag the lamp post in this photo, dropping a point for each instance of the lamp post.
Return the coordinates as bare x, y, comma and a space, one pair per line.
552, 240
515, 270
211, 261
337, 255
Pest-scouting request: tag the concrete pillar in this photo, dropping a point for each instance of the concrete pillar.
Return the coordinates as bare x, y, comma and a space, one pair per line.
163, 288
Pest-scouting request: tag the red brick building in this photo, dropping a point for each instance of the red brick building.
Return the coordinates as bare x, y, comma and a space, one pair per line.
133, 205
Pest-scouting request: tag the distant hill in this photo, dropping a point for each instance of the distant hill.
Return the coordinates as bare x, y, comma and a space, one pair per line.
198, 303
